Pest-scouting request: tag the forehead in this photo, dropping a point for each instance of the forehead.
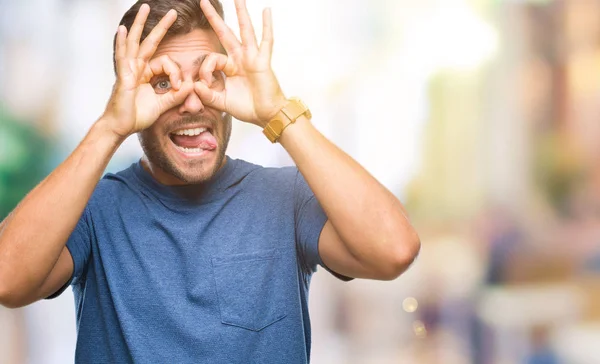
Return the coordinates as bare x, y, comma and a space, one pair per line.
187, 49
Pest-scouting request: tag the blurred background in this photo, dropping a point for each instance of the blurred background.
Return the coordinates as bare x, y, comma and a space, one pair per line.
481, 115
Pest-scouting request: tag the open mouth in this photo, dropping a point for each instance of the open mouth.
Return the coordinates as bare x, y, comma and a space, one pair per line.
194, 140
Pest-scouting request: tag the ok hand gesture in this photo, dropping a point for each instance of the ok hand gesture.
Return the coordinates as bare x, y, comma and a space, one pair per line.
251, 92
137, 100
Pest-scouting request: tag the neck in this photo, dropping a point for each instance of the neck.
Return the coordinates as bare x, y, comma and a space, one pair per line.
167, 179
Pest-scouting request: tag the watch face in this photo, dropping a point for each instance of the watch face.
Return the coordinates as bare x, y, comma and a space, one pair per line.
275, 127
288, 115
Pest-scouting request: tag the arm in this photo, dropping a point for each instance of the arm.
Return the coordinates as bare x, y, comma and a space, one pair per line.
34, 261
368, 234
33, 236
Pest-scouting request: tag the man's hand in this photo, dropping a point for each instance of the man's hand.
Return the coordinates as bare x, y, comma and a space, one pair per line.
251, 92
137, 99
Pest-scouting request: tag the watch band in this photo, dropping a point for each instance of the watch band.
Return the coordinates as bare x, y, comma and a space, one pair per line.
292, 110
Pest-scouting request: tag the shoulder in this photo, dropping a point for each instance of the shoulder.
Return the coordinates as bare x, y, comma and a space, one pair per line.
270, 176
119, 179
113, 185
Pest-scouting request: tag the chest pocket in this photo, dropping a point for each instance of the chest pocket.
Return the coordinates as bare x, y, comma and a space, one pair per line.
250, 289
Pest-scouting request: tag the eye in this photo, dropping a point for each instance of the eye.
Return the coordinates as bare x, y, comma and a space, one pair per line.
218, 80
162, 85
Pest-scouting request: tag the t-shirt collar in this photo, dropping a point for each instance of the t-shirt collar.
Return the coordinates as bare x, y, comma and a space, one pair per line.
192, 192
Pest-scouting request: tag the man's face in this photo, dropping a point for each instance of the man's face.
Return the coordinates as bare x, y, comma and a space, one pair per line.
187, 143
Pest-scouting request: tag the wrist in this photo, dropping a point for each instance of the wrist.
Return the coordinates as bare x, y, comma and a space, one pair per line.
103, 130
277, 106
292, 110
296, 131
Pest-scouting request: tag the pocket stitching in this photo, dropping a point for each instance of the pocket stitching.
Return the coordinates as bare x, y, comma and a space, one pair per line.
272, 255
279, 318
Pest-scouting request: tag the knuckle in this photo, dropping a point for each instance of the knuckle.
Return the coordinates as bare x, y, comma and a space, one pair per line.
165, 59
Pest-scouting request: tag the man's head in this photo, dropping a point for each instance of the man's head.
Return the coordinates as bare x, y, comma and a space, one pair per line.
187, 143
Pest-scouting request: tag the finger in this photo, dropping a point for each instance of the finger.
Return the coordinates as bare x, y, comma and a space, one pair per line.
135, 33
164, 65
225, 35
246, 27
149, 45
213, 62
210, 98
266, 44
173, 98
120, 49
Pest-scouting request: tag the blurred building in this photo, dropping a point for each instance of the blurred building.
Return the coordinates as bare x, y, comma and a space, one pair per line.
512, 145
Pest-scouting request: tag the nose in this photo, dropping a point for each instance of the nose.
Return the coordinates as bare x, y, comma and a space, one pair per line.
191, 104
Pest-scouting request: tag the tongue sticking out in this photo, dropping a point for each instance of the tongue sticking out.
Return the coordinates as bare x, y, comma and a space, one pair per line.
203, 141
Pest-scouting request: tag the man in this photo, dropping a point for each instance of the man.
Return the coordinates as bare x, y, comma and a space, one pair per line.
189, 256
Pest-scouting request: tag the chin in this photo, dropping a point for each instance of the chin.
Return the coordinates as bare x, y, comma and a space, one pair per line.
190, 169
189, 151
171, 166
198, 175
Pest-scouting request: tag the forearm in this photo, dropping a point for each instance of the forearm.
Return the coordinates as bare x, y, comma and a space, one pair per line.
34, 234
368, 218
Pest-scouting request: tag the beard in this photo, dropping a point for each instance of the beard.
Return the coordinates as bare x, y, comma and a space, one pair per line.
194, 171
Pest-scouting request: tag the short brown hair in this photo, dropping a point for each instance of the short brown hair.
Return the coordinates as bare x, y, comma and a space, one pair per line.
189, 17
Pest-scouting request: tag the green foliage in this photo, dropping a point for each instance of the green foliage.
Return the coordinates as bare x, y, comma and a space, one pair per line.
24, 156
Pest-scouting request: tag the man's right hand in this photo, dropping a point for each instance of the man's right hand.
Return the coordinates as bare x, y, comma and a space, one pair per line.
144, 88
34, 259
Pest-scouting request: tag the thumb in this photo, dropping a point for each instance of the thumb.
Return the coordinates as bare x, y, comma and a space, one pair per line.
173, 98
209, 97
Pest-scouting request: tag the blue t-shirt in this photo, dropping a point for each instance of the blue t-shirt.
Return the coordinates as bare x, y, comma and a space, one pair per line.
189, 274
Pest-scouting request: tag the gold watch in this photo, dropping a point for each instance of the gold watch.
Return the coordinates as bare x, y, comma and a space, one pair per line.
293, 109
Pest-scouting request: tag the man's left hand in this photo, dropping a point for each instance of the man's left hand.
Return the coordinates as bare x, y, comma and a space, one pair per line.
252, 93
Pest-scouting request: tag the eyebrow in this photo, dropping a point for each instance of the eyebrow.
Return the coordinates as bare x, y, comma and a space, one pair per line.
197, 62
200, 60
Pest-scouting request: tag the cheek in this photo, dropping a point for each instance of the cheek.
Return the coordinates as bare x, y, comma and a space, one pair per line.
156, 131
227, 124
151, 137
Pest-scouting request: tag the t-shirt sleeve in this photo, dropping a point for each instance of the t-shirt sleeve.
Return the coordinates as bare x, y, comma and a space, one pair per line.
79, 246
310, 220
